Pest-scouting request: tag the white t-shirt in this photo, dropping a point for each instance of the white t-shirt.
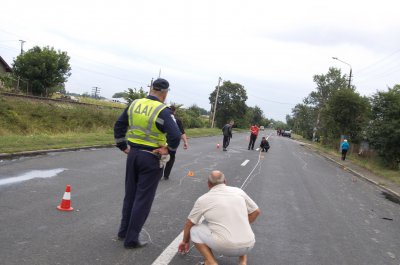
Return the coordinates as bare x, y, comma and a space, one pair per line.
226, 210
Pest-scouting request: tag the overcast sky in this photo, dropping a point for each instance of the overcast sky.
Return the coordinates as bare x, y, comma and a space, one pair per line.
272, 48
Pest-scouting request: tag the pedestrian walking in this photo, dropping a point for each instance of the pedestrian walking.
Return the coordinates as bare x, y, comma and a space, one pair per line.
170, 163
227, 132
228, 213
253, 136
145, 131
345, 147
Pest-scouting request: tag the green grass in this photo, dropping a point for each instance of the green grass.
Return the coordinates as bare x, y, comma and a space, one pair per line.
102, 102
199, 132
18, 143
373, 163
27, 117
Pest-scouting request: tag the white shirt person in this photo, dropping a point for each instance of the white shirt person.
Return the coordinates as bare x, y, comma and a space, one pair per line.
228, 212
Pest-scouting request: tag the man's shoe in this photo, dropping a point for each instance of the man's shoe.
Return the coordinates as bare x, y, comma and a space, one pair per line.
166, 178
120, 238
224, 149
135, 245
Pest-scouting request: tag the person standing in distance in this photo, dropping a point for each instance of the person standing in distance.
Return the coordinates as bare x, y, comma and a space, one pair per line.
253, 136
145, 130
345, 147
170, 163
228, 212
227, 132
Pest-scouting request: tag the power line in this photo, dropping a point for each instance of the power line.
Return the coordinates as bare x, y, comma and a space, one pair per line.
375, 64
273, 101
101, 73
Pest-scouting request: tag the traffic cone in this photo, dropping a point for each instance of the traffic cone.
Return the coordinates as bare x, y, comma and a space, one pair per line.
217, 146
65, 204
190, 174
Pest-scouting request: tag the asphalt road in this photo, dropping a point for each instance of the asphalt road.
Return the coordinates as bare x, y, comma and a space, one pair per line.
313, 212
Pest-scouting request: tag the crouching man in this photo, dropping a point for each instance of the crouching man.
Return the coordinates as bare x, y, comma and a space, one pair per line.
228, 213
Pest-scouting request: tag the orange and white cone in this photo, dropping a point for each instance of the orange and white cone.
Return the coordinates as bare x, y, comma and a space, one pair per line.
217, 146
65, 204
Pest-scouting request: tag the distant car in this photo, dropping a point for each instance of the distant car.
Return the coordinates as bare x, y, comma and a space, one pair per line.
287, 133
262, 128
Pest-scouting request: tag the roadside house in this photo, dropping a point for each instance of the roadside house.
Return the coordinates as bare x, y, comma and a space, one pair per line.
4, 67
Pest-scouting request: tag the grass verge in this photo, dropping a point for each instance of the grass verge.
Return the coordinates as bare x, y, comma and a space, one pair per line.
18, 143
34, 142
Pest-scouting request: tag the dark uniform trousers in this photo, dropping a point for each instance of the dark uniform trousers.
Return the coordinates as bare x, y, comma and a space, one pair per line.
169, 165
143, 174
253, 138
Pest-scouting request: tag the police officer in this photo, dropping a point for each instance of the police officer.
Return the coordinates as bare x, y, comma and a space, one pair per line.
145, 131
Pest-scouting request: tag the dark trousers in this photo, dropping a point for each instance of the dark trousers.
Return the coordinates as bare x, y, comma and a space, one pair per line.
143, 174
169, 165
344, 152
264, 148
225, 141
253, 138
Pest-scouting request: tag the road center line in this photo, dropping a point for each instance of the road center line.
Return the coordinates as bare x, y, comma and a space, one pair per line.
245, 162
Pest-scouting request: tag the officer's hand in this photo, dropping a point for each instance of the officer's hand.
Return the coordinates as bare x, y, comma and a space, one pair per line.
163, 150
185, 145
126, 151
183, 248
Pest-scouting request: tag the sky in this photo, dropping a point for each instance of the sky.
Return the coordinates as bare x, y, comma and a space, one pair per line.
272, 48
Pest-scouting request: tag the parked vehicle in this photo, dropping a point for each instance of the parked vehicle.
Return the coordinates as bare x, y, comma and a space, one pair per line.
262, 128
287, 133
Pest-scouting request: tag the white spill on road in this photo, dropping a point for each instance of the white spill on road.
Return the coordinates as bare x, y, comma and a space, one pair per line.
31, 175
245, 162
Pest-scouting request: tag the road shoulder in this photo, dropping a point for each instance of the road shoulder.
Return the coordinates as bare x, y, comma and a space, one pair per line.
358, 171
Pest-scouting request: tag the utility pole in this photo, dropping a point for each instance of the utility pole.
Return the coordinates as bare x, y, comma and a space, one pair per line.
215, 103
96, 91
350, 78
151, 85
351, 71
22, 46
22, 51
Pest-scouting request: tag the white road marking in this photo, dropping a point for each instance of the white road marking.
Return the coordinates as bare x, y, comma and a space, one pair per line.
245, 162
31, 175
169, 252
393, 256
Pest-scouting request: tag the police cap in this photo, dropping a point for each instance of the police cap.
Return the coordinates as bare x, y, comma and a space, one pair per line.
160, 84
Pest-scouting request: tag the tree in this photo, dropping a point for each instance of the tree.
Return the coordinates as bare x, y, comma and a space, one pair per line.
133, 94
120, 95
45, 68
327, 85
346, 113
303, 120
199, 110
384, 128
258, 115
231, 103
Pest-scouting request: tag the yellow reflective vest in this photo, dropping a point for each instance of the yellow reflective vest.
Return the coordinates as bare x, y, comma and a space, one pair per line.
142, 115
